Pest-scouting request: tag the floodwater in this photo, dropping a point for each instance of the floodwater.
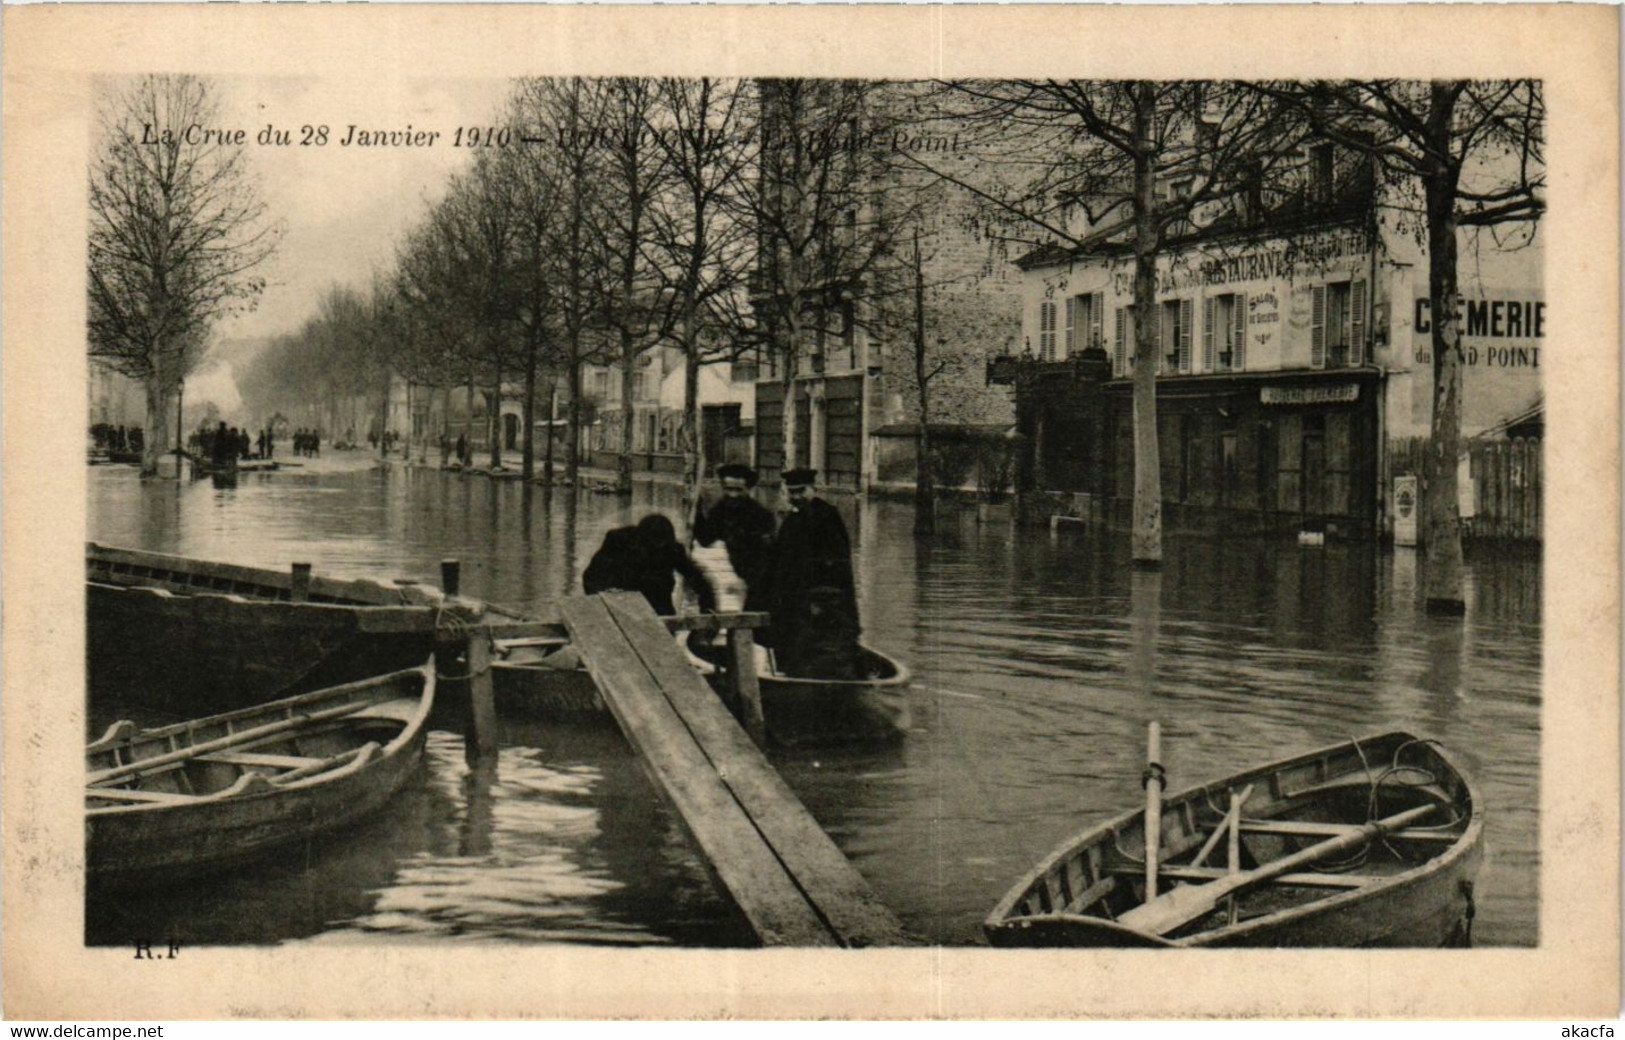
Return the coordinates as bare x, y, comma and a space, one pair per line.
1038, 659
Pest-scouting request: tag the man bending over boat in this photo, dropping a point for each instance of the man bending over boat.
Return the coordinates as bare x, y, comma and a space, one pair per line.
645, 559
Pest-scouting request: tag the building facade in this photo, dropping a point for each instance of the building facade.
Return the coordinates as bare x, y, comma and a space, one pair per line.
1293, 357
855, 389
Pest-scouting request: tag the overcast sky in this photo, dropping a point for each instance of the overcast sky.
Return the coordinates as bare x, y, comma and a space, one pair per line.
345, 208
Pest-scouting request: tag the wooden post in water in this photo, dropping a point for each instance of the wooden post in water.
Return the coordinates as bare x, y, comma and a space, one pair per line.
747, 692
481, 739
451, 574
299, 590
1153, 810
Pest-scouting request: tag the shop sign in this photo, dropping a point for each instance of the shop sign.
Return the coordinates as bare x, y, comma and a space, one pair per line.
1340, 393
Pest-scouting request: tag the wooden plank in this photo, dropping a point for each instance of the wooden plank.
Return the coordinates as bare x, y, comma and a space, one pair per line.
554, 629
743, 863
821, 870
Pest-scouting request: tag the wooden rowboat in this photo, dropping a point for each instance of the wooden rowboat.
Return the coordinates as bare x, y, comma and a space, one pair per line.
166, 804
873, 708
197, 635
1375, 842
796, 711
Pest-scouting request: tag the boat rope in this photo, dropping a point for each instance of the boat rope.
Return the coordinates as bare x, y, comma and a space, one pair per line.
1154, 771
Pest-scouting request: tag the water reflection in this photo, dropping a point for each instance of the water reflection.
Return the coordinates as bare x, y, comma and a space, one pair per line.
1039, 659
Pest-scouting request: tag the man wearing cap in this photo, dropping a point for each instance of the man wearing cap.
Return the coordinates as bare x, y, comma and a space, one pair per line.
814, 599
745, 526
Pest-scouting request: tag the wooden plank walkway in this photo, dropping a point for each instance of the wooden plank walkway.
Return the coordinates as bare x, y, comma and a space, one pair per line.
770, 856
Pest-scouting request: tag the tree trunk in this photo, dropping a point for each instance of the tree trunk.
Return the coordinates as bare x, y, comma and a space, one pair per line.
1147, 534
925, 493
792, 343
1441, 508
552, 413
495, 421
468, 419
572, 433
689, 435
528, 465
153, 432
383, 418
623, 459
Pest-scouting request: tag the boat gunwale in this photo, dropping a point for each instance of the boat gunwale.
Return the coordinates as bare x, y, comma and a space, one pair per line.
274, 587
412, 729
902, 677
1002, 918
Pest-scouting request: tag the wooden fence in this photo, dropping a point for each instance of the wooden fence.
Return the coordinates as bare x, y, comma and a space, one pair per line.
1507, 479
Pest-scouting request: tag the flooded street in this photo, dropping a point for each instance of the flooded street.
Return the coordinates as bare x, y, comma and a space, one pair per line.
1038, 661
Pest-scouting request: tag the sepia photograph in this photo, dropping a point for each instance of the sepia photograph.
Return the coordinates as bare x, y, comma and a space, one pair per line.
897, 509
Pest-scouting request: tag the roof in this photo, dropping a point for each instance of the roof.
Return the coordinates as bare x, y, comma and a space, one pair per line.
1530, 422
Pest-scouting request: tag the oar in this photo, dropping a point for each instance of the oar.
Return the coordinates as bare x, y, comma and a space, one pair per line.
1153, 809
1224, 825
144, 765
1191, 902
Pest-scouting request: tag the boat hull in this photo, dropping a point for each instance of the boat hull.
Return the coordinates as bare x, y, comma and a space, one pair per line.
796, 712
197, 636
808, 712
1410, 889
153, 845
194, 653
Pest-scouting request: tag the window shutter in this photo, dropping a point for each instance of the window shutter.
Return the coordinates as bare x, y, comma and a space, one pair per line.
1071, 325
1317, 327
1046, 330
1357, 323
1156, 335
1097, 316
1187, 310
1238, 348
1207, 333
1119, 357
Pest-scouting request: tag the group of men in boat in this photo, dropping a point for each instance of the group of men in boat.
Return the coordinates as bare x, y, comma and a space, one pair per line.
799, 570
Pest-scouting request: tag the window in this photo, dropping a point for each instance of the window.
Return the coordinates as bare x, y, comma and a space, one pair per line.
1046, 330
1224, 333
849, 333
1175, 335
1123, 346
600, 384
637, 386
1337, 325
1320, 172
1083, 322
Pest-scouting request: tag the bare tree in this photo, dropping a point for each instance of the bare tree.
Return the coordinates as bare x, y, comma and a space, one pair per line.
1474, 151
703, 235
635, 313
824, 215
566, 116
176, 232
1079, 162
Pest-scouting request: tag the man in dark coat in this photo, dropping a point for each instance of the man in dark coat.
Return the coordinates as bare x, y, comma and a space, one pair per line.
644, 559
745, 526
814, 599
